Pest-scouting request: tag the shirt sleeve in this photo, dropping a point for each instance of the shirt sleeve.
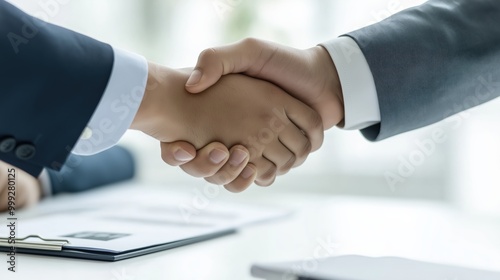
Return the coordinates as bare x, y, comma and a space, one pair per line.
361, 105
118, 105
45, 183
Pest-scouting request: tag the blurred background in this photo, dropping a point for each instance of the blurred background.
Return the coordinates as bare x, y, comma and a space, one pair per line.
461, 170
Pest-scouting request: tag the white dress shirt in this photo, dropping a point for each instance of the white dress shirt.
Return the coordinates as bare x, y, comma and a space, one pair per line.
119, 104
116, 109
361, 106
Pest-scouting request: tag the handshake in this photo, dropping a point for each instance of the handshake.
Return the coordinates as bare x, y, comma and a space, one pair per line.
246, 113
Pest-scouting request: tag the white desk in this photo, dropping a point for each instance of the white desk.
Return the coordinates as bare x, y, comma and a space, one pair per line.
372, 227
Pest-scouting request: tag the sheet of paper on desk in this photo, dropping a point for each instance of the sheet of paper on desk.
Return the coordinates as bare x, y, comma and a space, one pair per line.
366, 268
118, 220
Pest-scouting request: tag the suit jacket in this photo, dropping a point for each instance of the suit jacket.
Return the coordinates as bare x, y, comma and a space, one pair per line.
432, 61
83, 173
51, 81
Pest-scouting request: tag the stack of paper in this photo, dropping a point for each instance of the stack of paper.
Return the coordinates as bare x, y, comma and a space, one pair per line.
120, 223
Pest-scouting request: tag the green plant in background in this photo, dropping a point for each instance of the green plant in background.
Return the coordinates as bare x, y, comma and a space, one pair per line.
243, 18
239, 21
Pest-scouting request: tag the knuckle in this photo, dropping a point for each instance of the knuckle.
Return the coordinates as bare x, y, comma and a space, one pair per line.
165, 156
207, 172
209, 53
303, 156
198, 171
250, 42
288, 165
316, 123
320, 143
211, 180
235, 187
269, 174
265, 183
222, 177
260, 184
306, 149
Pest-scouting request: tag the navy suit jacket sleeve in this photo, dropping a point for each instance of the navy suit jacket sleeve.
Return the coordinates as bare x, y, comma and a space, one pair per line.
51, 81
432, 61
85, 173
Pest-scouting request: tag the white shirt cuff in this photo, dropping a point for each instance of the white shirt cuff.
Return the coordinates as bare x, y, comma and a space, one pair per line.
45, 183
118, 105
358, 87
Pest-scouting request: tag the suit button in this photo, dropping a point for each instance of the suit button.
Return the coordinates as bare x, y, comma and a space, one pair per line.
25, 151
7, 144
86, 134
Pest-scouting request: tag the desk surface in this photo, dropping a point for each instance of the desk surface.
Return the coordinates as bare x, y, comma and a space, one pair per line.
321, 226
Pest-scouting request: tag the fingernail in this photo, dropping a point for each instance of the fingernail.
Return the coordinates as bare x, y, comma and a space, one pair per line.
194, 78
237, 157
182, 155
217, 156
247, 172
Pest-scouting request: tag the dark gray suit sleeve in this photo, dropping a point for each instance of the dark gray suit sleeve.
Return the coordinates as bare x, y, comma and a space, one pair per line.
432, 61
85, 173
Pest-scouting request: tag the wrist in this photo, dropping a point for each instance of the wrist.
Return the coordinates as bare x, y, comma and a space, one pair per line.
162, 113
155, 83
331, 101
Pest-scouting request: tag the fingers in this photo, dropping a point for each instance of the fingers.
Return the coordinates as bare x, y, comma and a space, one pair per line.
266, 172
244, 180
208, 161
295, 140
213, 163
177, 153
290, 149
280, 156
238, 159
236, 58
309, 121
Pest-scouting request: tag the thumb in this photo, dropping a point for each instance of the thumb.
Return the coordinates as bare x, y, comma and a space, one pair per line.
215, 62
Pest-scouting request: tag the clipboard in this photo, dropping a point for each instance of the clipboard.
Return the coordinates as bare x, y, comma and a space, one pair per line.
55, 248
118, 223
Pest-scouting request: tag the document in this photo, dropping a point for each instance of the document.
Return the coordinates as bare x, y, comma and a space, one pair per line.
119, 223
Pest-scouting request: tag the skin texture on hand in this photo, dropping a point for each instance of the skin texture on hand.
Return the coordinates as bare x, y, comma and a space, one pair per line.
309, 75
28, 189
278, 130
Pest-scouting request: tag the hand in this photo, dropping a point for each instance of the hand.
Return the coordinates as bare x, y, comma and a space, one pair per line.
308, 75
278, 130
233, 172
28, 190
